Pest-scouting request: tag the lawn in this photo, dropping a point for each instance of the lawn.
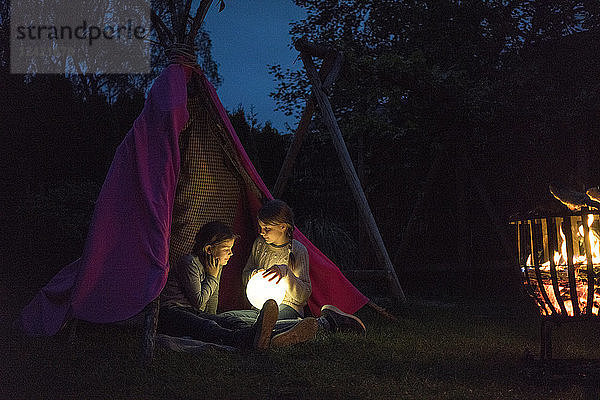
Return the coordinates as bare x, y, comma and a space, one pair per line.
436, 350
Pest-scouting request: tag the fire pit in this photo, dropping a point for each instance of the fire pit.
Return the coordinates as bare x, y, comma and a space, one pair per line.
559, 257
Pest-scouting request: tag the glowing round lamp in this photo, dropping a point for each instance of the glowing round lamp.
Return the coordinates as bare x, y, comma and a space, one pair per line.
259, 290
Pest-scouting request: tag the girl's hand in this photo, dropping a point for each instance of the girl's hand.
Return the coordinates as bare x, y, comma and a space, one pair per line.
212, 265
256, 271
276, 272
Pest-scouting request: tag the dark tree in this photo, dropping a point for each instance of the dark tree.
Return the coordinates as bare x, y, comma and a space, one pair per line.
263, 144
59, 135
487, 80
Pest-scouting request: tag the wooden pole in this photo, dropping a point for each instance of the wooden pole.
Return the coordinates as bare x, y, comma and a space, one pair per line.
312, 49
292, 153
364, 257
164, 35
329, 71
197, 20
350, 174
382, 311
149, 331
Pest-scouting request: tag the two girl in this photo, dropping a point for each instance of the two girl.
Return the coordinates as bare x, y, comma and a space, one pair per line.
189, 300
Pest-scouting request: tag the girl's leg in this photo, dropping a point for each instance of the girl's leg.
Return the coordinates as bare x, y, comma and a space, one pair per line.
288, 318
237, 319
180, 321
287, 312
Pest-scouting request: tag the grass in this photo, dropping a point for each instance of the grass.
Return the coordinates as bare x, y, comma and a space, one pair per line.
434, 351
444, 349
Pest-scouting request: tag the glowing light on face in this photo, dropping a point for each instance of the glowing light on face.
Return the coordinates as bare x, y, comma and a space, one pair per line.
259, 290
273, 234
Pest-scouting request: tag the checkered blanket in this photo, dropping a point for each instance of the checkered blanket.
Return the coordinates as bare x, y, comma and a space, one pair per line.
209, 186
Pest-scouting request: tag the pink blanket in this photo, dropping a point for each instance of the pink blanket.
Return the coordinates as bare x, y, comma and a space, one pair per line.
124, 265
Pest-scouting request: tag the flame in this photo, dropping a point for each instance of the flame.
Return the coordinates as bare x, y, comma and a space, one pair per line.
579, 262
561, 258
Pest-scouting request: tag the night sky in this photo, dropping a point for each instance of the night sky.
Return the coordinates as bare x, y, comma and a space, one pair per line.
247, 36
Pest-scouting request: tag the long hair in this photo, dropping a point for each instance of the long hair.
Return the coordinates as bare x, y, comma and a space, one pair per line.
276, 212
211, 234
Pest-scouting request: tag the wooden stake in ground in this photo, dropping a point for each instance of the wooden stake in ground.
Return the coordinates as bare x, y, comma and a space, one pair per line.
349, 171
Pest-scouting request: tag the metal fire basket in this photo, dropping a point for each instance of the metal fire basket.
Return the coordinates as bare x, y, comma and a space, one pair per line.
559, 258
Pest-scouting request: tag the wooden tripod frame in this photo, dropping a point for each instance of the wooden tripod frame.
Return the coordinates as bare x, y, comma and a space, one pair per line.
320, 81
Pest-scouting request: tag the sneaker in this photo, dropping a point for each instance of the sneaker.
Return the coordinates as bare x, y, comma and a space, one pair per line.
303, 331
263, 327
341, 321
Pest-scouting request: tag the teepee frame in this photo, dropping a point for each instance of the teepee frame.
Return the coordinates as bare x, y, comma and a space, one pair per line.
180, 19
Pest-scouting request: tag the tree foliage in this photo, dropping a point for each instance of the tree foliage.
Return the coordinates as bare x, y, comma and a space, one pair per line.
263, 143
56, 128
489, 80
511, 85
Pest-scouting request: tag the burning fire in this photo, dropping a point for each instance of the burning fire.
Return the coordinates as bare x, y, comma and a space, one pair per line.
579, 261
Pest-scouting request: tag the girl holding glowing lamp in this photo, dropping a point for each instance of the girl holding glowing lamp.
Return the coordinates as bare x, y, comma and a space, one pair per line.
278, 262
278, 269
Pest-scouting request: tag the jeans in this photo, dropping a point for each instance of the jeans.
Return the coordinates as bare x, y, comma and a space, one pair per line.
287, 312
288, 317
186, 321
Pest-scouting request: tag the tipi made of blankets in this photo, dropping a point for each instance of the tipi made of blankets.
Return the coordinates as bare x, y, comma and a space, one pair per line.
180, 166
